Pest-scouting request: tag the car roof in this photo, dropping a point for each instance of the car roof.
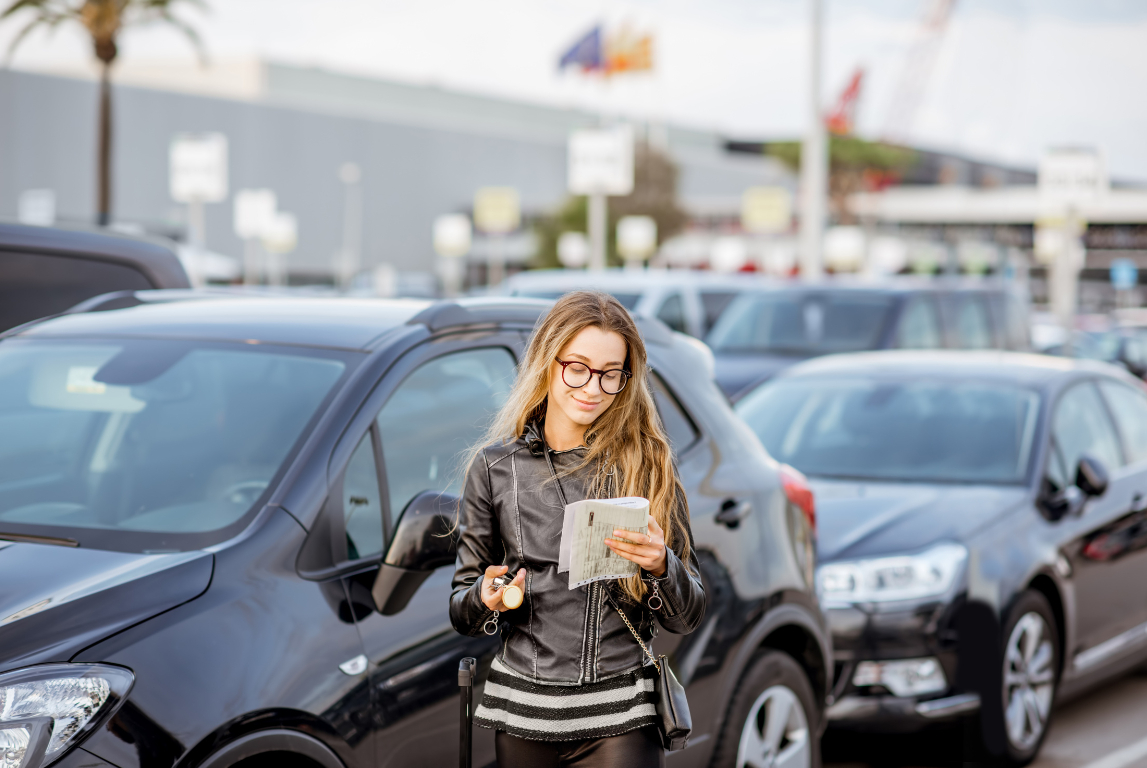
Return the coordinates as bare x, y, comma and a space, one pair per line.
1018, 367
334, 322
154, 257
630, 280
891, 285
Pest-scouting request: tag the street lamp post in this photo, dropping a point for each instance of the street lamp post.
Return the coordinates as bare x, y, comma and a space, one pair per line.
814, 158
350, 263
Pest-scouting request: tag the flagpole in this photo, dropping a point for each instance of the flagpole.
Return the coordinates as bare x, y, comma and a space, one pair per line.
814, 159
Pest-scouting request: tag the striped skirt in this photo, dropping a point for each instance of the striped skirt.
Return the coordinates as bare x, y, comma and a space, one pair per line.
514, 703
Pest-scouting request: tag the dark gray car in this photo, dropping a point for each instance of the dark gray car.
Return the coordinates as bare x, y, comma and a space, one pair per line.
769, 329
983, 530
45, 271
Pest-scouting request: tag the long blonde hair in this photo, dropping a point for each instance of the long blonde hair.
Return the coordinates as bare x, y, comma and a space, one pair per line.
626, 443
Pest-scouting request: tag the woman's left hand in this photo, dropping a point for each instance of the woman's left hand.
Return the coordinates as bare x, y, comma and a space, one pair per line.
648, 551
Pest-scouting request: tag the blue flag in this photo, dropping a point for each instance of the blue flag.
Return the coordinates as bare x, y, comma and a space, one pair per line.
586, 53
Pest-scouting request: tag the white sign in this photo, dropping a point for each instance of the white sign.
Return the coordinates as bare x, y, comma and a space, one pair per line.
573, 250
636, 237
1072, 175
766, 210
601, 162
452, 235
37, 207
198, 168
255, 211
283, 234
497, 210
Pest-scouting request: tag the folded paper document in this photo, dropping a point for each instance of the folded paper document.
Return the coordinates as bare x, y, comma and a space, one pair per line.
583, 553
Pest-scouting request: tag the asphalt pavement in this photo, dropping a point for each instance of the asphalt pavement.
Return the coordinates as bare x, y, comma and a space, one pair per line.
1105, 729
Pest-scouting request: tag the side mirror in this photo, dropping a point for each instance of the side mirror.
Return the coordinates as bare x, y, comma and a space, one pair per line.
1091, 476
425, 539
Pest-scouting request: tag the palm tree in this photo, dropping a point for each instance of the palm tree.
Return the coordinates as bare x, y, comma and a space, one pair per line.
103, 20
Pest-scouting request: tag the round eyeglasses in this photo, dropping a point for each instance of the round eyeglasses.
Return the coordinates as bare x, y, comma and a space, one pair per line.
577, 375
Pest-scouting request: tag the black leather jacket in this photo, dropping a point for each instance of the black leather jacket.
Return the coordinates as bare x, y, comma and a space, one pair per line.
512, 515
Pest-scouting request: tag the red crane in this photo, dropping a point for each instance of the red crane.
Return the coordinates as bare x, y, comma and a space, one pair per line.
842, 119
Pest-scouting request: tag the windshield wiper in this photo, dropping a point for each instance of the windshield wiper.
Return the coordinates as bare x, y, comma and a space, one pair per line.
27, 538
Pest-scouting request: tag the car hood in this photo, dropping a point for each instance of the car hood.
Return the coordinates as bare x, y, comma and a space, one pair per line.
860, 519
736, 371
56, 601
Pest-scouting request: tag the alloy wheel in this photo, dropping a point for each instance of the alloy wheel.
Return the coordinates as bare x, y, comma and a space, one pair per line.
1029, 681
776, 732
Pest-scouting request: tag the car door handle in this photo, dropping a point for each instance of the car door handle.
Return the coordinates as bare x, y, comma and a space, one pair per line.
732, 512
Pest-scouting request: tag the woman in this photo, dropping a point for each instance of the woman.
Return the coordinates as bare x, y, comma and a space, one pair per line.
571, 685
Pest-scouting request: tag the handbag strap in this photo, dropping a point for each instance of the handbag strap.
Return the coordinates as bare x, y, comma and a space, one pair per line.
562, 494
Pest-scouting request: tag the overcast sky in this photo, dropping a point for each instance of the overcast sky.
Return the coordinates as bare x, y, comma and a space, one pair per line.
1011, 77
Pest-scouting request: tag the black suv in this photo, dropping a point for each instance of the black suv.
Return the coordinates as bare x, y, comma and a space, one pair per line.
220, 516
45, 271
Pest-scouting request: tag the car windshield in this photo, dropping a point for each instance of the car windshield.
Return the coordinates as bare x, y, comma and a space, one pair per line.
145, 445
888, 430
627, 300
794, 322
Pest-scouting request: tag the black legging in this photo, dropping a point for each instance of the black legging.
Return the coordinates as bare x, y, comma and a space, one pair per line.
636, 749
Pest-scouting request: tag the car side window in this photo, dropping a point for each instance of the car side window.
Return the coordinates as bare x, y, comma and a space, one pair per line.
920, 325
1081, 425
435, 415
678, 426
362, 502
672, 313
973, 326
714, 303
1131, 405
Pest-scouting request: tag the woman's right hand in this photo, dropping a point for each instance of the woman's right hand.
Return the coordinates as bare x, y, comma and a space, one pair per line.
491, 594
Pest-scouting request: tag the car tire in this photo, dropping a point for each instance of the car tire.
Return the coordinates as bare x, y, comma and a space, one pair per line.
772, 719
1029, 677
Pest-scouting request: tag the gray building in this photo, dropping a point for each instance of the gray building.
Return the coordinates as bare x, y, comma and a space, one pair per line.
423, 151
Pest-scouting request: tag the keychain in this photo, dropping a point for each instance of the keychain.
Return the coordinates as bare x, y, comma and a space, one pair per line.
511, 593
491, 625
656, 597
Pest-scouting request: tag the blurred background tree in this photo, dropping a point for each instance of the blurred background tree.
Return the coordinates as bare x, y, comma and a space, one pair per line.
654, 194
854, 165
103, 20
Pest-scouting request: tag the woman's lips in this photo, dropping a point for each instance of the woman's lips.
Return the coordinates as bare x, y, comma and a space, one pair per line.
585, 405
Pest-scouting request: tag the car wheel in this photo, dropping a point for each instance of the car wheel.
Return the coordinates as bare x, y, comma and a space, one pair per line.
1030, 675
772, 718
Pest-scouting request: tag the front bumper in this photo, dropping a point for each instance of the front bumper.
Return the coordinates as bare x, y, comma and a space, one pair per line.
899, 712
892, 632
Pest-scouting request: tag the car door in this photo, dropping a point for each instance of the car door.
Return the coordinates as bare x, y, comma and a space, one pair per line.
442, 399
1081, 424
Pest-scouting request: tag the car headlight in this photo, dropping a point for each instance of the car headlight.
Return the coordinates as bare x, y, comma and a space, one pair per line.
45, 710
908, 577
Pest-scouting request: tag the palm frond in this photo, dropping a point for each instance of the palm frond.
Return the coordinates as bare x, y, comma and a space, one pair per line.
46, 19
20, 5
188, 31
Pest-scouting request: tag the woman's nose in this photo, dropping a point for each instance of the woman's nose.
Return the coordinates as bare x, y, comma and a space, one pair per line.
593, 386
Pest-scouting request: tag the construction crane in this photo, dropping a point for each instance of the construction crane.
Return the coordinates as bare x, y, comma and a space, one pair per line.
917, 72
842, 120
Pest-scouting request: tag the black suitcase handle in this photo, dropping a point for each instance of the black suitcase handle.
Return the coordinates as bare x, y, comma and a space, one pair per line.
466, 672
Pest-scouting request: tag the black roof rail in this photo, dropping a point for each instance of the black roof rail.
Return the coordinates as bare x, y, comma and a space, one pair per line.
447, 314
105, 302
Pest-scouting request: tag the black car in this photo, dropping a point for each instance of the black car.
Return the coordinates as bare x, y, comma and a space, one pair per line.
767, 330
45, 271
983, 530
226, 529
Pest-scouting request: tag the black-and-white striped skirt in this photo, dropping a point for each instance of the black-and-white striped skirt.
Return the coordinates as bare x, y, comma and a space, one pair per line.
514, 703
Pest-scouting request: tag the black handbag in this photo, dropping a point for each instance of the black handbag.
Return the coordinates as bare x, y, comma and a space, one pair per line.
674, 721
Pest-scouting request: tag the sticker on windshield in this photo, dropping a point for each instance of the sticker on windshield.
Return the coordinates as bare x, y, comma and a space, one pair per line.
82, 380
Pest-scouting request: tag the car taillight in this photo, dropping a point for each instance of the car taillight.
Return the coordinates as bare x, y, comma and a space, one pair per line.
799, 493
